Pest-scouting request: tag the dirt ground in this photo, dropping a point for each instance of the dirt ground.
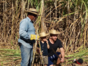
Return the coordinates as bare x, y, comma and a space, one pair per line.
9, 57
15, 61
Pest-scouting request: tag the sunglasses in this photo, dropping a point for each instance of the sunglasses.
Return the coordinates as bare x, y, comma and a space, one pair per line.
35, 16
53, 34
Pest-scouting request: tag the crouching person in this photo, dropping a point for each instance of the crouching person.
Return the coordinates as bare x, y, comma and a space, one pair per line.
55, 43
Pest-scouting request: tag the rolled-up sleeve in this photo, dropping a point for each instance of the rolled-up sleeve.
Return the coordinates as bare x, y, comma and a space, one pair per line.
23, 29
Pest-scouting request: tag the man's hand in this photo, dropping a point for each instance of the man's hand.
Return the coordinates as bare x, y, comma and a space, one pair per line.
34, 37
62, 60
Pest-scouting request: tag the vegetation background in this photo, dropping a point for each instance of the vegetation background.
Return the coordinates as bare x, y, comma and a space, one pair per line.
70, 17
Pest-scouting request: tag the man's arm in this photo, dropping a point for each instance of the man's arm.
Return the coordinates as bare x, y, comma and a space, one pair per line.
23, 29
62, 54
47, 44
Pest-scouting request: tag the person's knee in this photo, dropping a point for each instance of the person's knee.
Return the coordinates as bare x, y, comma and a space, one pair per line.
52, 65
25, 57
60, 55
25, 60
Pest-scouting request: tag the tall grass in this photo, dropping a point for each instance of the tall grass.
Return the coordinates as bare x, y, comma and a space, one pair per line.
67, 16
13, 12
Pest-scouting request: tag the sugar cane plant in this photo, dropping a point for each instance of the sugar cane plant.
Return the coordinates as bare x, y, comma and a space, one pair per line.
70, 17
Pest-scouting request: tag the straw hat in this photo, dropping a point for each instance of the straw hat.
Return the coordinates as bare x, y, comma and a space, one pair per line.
53, 31
32, 10
43, 34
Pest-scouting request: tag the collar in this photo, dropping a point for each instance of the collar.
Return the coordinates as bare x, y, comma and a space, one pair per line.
28, 18
50, 41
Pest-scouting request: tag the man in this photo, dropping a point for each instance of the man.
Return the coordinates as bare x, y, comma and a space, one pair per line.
27, 36
55, 43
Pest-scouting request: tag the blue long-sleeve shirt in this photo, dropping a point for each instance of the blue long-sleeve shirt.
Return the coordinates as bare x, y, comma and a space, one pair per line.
25, 30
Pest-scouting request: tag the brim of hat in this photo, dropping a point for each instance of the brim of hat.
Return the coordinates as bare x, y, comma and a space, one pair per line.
31, 12
44, 35
55, 33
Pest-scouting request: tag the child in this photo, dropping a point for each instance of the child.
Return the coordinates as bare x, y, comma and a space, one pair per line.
44, 45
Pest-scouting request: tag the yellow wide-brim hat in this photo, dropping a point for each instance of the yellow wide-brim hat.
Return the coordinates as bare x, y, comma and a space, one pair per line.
43, 34
53, 31
32, 10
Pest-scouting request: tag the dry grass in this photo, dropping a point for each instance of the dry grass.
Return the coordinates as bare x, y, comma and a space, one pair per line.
66, 16
10, 57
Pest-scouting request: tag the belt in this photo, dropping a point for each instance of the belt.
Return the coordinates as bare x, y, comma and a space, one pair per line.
28, 40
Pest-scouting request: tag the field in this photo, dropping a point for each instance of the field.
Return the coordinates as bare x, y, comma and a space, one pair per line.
12, 57
70, 17
9, 57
